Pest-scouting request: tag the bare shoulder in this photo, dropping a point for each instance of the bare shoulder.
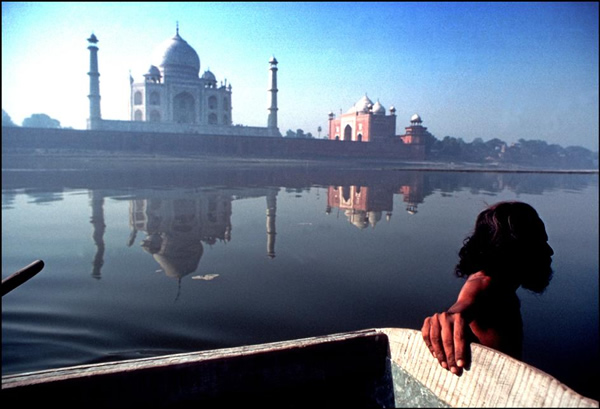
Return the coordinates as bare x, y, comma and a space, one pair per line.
479, 276
476, 283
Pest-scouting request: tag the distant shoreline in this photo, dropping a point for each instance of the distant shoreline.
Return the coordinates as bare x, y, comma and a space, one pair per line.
92, 160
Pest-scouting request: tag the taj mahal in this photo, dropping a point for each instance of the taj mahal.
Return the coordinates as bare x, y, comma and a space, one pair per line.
172, 97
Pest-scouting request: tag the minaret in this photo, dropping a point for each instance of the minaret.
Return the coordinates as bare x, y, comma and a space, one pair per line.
94, 95
272, 122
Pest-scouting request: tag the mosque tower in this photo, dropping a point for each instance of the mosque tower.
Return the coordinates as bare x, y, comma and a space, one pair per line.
94, 95
272, 121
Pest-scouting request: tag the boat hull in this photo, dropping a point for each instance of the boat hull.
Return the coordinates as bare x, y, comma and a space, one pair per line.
370, 368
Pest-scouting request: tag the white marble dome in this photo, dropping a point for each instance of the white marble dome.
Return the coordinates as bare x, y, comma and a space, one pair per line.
208, 75
176, 57
378, 109
362, 105
153, 71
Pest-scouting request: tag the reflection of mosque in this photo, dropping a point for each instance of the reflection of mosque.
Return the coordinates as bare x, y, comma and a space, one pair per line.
413, 191
177, 227
364, 205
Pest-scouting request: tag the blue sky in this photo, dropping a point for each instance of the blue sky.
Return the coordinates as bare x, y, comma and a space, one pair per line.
505, 70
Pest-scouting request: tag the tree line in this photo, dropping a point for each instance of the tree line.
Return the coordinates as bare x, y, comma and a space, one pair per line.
531, 152
523, 152
34, 121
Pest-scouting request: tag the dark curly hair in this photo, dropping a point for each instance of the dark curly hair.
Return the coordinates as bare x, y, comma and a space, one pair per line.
509, 242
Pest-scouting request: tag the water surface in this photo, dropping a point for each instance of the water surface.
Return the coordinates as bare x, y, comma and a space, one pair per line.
142, 263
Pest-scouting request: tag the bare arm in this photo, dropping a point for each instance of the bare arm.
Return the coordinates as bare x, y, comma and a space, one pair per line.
444, 333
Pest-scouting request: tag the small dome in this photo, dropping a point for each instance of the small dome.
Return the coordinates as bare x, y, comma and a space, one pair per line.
153, 71
208, 75
362, 105
176, 56
378, 109
415, 118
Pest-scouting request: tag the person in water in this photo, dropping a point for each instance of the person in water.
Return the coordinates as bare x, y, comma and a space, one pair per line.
507, 250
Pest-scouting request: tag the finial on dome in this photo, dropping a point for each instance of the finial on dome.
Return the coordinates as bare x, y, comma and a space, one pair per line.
177, 27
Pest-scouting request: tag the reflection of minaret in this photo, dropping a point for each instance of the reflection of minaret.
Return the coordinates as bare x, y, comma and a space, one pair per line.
271, 210
97, 220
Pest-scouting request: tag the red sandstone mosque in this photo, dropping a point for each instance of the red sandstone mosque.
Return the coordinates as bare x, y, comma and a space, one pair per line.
366, 121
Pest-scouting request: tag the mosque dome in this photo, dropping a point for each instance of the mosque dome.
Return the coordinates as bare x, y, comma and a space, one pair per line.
362, 105
415, 118
176, 57
378, 109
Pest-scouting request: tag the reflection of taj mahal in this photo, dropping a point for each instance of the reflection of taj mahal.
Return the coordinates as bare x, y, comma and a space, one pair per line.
173, 97
176, 228
178, 224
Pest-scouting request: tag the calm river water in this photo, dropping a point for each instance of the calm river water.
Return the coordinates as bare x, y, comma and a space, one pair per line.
144, 263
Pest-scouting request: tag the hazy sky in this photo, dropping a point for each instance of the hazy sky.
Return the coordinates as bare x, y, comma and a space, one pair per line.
505, 70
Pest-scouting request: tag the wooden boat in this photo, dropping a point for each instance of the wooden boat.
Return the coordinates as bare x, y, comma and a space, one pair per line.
387, 367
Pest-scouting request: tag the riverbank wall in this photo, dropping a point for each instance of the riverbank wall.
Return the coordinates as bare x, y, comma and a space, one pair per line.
19, 139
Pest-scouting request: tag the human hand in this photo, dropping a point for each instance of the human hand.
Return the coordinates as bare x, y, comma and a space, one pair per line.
444, 335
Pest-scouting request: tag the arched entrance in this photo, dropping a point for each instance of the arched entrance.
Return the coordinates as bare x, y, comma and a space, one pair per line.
184, 108
347, 133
